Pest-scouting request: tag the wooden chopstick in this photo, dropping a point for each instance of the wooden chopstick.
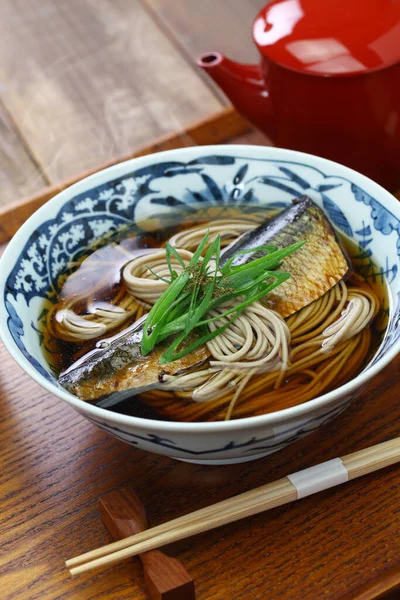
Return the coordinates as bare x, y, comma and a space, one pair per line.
246, 499
244, 505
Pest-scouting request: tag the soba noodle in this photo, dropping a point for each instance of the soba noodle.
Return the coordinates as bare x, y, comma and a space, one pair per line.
261, 362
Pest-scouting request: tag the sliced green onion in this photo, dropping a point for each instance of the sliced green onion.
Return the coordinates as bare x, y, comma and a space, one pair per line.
183, 307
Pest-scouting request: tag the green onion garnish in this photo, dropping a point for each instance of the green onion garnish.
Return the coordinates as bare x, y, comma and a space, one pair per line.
203, 286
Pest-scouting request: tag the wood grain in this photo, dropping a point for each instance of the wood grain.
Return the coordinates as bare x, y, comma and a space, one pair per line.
55, 466
240, 506
385, 586
162, 574
211, 25
19, 175
166, 578
219, 127
52, 458
88, 80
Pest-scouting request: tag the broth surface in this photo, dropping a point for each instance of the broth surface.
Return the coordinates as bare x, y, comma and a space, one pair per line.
98, 277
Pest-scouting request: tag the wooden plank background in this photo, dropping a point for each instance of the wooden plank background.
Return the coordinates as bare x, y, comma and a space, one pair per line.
83, 82
220, 127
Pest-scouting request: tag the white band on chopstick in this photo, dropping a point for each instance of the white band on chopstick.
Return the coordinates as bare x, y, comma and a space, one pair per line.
318, 478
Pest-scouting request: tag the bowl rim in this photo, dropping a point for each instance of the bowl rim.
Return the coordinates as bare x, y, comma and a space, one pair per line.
118, 170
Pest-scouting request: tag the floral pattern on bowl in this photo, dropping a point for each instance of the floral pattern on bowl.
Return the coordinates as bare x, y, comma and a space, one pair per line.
185, 181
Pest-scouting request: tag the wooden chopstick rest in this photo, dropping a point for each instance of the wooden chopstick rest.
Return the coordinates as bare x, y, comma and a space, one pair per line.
166, 578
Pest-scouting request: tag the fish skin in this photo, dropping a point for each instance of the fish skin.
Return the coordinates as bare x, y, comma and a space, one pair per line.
119, 370
109, 375
315, 268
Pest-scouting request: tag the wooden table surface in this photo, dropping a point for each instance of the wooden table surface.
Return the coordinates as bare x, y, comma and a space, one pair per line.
83, 82
55, 466
342, 544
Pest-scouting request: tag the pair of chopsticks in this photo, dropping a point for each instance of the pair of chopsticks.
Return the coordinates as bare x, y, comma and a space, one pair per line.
243, 505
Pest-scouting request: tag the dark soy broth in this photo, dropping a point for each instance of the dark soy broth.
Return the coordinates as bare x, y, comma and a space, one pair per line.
101, 268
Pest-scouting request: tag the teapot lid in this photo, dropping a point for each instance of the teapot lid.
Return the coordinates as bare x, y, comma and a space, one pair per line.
332, 37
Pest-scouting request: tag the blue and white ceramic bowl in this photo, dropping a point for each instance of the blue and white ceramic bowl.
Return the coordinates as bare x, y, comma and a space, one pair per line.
161, 183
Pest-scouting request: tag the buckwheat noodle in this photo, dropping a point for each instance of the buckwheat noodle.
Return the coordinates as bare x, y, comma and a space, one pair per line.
261, 362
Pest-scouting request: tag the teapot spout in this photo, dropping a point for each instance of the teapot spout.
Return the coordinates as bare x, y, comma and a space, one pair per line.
245, 87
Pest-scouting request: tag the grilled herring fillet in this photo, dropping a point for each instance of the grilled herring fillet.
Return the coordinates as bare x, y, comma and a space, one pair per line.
315, 268
116, 369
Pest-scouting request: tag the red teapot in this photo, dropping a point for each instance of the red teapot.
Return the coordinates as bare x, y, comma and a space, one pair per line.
328, 82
